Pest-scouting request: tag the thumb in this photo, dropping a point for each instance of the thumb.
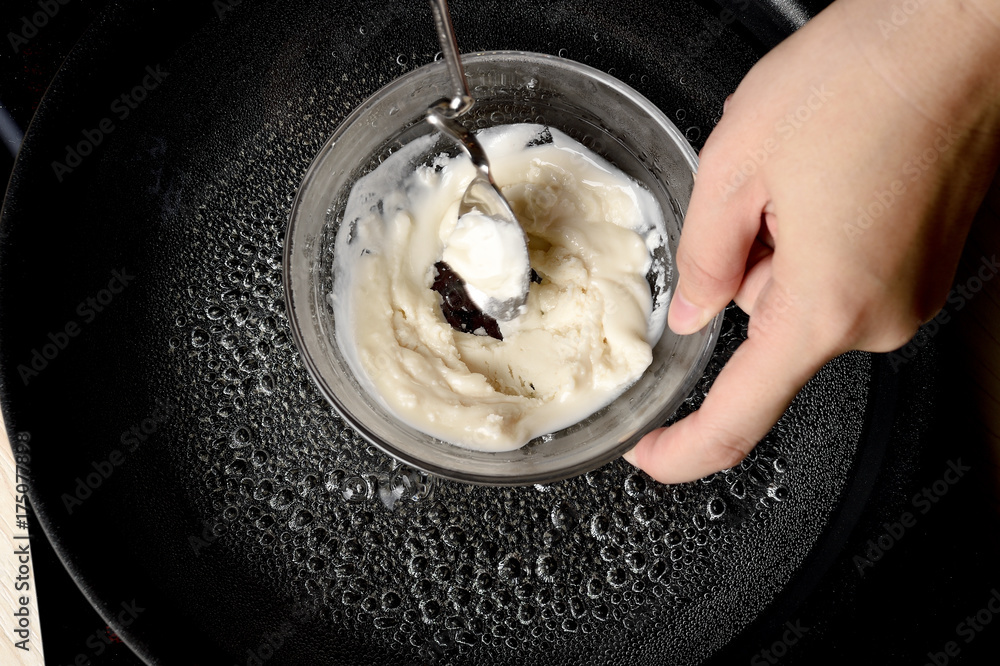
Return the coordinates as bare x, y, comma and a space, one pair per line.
721, 223
749, 395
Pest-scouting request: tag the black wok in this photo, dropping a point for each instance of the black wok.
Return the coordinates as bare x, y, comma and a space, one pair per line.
182, 459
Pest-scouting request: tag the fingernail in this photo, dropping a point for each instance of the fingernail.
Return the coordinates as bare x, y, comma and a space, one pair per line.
630, 457
684, 317
725, 104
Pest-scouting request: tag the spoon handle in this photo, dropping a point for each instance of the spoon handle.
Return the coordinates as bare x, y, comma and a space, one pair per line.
462, 100
438, 116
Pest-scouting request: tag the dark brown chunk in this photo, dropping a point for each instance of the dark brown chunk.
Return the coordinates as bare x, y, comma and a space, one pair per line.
456, 306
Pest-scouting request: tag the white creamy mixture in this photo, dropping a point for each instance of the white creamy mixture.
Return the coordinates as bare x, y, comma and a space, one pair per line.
490, 256
587, 331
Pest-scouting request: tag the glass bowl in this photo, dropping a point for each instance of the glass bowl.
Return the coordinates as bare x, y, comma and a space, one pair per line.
597, 110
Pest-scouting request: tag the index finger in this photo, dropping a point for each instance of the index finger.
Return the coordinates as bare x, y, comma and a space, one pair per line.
747, 399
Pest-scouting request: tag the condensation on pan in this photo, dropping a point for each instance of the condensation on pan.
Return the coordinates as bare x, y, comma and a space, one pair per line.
429, 570
387, 564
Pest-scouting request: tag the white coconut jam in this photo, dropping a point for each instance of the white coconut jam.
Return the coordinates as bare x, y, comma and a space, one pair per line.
489, 255
588, 326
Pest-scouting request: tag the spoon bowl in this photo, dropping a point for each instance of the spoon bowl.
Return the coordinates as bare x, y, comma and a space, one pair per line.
482, 196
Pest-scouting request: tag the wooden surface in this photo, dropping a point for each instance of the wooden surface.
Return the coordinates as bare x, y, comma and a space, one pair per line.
978, 325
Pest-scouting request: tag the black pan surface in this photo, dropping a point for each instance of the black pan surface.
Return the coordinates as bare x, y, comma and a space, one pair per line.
183, 461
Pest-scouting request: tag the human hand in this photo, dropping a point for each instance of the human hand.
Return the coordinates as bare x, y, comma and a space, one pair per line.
832, 203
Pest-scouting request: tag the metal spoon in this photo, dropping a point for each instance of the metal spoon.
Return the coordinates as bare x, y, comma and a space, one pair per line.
482, 195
